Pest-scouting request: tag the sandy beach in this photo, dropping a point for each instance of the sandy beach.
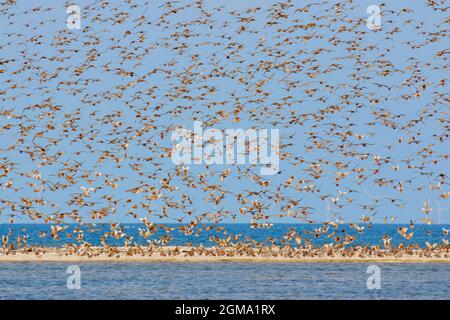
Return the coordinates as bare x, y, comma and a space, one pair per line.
184, 254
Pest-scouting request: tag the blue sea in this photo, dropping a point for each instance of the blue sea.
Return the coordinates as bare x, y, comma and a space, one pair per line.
372, 234
164, 280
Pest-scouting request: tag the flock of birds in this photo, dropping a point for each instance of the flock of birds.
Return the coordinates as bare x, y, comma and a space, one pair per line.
86, 118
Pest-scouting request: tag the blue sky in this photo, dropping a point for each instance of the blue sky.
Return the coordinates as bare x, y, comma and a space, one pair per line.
35, 86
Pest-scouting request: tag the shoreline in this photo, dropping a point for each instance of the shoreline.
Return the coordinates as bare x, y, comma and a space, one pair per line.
148, 259
214, 255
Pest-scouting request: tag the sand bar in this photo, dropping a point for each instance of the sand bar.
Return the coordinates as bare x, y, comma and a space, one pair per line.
187, 255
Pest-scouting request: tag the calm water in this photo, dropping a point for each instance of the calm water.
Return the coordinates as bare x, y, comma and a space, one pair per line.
224, 281
93, 233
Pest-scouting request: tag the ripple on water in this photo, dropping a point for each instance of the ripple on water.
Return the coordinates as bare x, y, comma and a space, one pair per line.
167, 280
